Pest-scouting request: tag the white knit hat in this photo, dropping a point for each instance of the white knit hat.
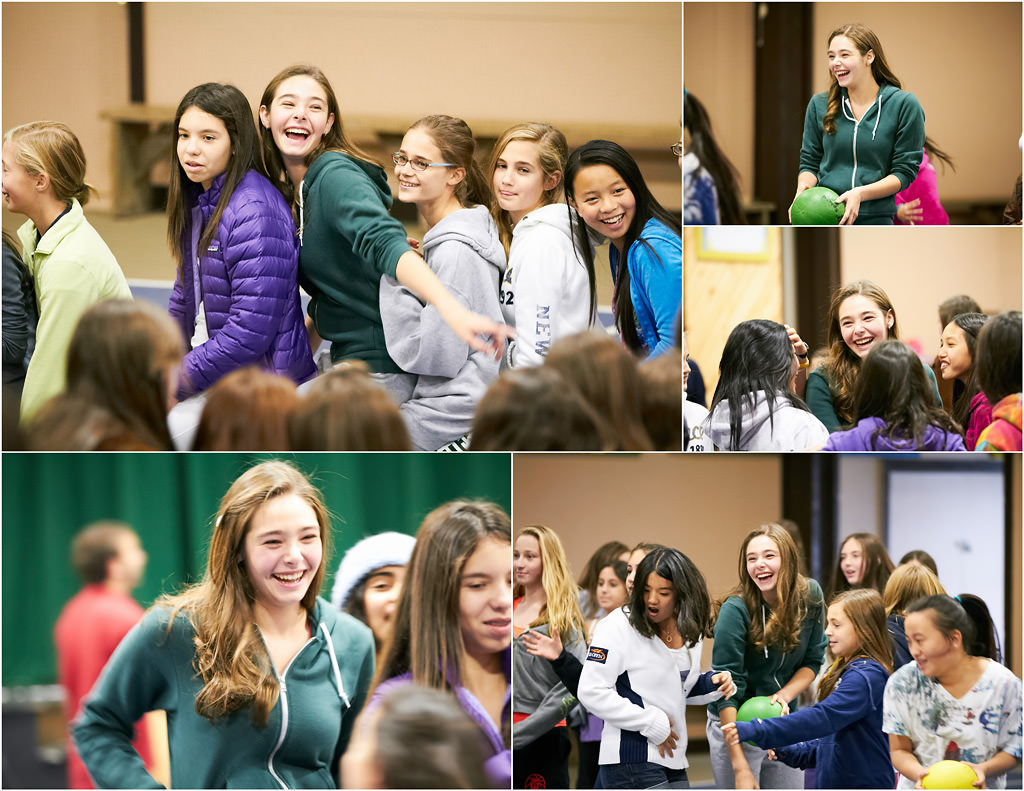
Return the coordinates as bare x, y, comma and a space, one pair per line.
365, 557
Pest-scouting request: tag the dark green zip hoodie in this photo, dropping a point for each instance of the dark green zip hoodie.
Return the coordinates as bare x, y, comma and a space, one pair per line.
348, 241
322, 690
888, 139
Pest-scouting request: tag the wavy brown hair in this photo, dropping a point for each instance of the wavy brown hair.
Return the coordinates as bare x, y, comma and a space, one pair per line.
865, 40
782, 628
230, 655
842, 365
427, 639
334, 139
863, 607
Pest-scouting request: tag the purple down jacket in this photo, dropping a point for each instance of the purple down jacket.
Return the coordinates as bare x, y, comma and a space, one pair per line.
248, 285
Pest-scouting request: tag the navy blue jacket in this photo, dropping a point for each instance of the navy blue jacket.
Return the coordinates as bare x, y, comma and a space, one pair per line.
841, 736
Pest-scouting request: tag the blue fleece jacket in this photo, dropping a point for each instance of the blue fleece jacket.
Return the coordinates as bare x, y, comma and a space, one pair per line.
655, 283
841, 736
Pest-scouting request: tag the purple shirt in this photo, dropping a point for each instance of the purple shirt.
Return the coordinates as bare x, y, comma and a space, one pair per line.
861, 437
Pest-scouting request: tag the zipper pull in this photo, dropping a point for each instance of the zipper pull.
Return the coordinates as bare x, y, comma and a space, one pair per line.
284, 687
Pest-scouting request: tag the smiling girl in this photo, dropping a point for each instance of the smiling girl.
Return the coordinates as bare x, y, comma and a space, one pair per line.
863, 563
769, 634
445, 379
840, 735
548, 290
545, 601
453, 626
957, 351
949, 705
236, 294
864, 137
859, 316
605, 186
260, 678
348, 240
631, 679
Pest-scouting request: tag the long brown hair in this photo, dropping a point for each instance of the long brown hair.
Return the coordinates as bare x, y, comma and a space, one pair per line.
230, 655
842, 365
334, 139
863, 607
454, 139
865, 41
781, 630
246, 410
877, 565
427, 639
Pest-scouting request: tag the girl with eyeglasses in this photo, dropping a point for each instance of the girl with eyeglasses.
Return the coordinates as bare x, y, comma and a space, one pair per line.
444, 378
348, 240
548, 291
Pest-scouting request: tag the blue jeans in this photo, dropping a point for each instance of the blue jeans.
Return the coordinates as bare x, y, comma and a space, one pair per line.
645, 775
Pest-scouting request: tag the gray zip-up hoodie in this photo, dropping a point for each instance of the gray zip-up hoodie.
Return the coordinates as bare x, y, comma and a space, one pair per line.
790, 428
446, 377
537, 691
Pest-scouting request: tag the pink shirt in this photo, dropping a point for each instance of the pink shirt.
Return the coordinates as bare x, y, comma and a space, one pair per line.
925, 187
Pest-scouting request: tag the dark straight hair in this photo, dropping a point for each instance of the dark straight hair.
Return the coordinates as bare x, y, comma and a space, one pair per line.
999, 356
230, 106
605, 152
692, 602
713, 160
970, 324
758, 355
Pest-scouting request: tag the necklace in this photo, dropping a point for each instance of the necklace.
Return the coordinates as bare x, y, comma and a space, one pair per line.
669, 639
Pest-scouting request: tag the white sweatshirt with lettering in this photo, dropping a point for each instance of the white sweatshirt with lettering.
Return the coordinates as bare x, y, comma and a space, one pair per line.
545, 293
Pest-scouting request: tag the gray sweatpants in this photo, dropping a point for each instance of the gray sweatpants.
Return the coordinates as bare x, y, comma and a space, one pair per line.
769, 774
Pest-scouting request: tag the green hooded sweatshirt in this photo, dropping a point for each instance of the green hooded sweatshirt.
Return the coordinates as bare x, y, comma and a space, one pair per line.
888, 139
348, 242
322, 690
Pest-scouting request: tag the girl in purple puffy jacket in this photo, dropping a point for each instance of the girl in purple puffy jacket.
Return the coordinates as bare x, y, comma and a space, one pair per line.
236, 295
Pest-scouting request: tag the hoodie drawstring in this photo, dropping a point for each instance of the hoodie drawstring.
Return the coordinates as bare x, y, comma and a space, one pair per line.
334, 664
302, 220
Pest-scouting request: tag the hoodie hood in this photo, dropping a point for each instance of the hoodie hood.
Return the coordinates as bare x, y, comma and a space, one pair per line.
784, 428
873, 116
473, 227
555, 215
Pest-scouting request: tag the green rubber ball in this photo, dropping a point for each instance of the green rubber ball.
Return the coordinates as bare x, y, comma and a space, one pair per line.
758, 708
816, 206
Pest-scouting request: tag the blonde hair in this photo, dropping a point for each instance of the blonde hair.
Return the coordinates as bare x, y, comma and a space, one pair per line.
908, 582
230, 656
552, 153
863, 608
51, 148
561, 609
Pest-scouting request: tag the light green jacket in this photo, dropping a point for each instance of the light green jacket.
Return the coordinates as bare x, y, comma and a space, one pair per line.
73, 269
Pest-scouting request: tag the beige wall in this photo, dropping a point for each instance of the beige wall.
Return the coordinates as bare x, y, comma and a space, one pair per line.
962, 61
481, 61
921, 268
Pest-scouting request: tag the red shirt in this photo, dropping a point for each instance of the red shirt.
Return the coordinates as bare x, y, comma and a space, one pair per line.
87, 632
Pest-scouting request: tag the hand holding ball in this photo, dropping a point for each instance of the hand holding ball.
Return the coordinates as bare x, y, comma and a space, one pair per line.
816, 206
949, 774
760, 707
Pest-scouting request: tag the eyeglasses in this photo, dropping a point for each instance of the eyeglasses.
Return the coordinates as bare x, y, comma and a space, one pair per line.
677, 149
418, 164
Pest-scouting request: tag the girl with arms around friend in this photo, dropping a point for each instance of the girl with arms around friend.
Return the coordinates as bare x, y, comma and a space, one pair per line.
548, 289
841, 735
70, 265
236, 295
860, 316
864, 137
948, 704
437, 173
260, 678
605, 186
348, 240
769, 634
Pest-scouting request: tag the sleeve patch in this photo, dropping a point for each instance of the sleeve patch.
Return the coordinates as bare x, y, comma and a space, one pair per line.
597, 654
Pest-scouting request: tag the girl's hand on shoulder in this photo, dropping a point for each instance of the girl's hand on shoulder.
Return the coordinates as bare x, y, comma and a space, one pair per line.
785, 704
732, 738
538, 644
852, 200
910, 213
723, 680
667, 747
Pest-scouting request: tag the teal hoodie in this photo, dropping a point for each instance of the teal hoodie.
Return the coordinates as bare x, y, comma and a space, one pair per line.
756, 671
322, 690
888, 139
348, 242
